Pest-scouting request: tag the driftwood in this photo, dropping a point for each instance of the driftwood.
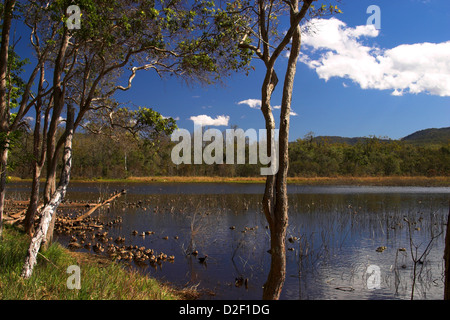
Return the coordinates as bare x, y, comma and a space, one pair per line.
92, 210
24, 204
21, 214
17, 202
11, 220
347, 289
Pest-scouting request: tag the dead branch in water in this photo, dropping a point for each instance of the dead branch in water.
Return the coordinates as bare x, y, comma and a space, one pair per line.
92, 210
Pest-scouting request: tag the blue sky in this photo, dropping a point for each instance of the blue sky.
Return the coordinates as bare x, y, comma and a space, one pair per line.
341, 105
351, 81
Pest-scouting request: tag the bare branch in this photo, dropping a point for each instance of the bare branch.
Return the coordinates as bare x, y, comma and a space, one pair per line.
130, 79
288, 36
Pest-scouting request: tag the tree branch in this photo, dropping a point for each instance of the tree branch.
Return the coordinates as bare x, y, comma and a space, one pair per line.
288, 36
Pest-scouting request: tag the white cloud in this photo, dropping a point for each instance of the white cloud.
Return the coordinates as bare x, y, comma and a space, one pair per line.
205, 120
397, 93
256, 104
252, 103
336, 50
61, 120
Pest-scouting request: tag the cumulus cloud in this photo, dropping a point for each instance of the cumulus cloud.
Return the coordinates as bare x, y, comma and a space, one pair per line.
335, 50
252, 103
61, 120
256, 104
205, 120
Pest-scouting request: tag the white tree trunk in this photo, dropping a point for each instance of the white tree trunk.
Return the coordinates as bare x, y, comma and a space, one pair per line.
50, 209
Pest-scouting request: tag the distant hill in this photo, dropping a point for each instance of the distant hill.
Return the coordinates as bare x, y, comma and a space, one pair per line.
433, 135
427, 136
337, 139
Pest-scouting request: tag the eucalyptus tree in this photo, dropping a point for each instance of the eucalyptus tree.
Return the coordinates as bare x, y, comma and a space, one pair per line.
7, 10
130, 127
194, 40
272, 28
16, 96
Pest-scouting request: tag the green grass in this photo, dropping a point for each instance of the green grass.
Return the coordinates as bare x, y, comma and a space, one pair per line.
314, 181
438, 181
100, 279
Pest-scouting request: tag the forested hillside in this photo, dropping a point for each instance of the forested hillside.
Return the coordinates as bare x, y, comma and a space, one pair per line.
98, 156
429, 136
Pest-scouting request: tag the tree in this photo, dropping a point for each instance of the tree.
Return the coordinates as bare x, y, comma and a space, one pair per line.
48, 211
266, 43
9, 122
127, 127
8, 8
192, 40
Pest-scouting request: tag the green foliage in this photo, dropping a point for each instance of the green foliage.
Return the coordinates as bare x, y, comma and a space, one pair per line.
142, 123
14, 81
324, 9
103, 156
196, 39
367, 157
147, 118
429, 136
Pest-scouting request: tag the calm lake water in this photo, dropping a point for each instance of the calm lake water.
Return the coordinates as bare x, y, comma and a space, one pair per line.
338, 230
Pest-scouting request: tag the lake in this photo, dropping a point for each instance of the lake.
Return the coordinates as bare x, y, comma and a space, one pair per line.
344, 242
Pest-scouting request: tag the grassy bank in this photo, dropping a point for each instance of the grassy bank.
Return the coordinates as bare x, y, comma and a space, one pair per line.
443, 181
101, 279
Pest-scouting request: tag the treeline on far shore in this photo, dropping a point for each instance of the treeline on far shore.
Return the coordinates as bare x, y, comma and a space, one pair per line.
98, 156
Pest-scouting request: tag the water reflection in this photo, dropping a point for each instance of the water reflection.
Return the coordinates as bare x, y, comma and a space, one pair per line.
333, 236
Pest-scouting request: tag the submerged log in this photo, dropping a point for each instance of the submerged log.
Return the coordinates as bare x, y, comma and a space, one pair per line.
92, 210
11, 220
21, 214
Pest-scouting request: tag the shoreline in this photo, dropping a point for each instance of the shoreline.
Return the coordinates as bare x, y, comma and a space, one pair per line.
419, 181
49, 279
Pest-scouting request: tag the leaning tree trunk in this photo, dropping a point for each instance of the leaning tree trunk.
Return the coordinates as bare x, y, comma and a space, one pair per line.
34, 200
58, 104
38, 159
49, 210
